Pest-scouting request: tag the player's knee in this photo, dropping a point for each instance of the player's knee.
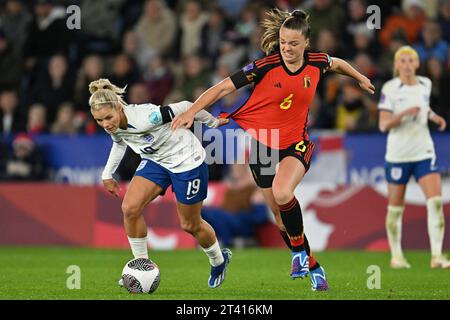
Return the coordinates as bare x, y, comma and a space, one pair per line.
190, 226
282, 195
131, 210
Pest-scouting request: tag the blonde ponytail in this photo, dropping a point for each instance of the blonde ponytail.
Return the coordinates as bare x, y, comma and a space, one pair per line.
103, 92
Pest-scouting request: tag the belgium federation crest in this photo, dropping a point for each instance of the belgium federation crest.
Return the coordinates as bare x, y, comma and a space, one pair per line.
306, 81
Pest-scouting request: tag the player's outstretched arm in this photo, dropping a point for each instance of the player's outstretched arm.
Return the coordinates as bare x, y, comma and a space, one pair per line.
209, 97
203, 116
115, 156
387, 120
442, 124
343, 67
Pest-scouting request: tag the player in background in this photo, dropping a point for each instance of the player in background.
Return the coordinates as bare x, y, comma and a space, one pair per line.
285, 83
168, 158
404, 113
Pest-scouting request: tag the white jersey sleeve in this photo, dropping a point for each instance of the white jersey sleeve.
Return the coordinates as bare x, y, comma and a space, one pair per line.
202, 116
385, 103
115, 156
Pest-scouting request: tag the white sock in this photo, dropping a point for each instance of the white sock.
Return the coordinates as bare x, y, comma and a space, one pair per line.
436, 225
394, 230
214, 254
139, 247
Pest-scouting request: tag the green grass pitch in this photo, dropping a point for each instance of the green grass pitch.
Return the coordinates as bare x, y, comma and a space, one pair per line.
40, 273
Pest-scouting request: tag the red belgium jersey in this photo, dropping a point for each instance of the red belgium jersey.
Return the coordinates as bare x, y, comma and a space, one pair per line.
280, 98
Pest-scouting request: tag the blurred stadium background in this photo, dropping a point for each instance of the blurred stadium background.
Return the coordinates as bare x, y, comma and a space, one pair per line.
52, 153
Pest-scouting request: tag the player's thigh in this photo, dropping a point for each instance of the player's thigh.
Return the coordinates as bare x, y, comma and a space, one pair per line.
189, 214
290, 172
140, 192
396, 194
431, 185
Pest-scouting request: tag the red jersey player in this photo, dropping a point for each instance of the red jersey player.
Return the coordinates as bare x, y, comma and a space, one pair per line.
285, 83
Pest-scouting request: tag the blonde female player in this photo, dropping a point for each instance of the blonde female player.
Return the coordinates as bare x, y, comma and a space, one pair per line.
404, 113
168, 158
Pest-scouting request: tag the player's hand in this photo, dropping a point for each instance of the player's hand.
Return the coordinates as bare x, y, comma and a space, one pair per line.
223, 121
413, 111
442, 124
183, 120
112, 186
366, 85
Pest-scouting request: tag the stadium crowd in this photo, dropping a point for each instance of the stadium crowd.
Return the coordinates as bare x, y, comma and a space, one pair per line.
167, 51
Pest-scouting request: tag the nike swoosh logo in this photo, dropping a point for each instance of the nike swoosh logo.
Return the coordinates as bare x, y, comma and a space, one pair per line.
189, 198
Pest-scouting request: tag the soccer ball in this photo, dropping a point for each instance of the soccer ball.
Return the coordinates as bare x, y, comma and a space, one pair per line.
141, 276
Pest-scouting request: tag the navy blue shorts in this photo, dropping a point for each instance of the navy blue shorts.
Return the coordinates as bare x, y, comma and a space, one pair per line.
399, 173
189, 187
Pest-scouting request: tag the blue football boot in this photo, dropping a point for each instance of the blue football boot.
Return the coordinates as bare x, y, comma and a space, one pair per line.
300, 264
218, 273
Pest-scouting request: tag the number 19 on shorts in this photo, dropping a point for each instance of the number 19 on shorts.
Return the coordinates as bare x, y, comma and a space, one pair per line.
193, 188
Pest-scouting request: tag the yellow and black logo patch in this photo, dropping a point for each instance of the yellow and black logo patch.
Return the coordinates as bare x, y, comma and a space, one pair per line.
306, 81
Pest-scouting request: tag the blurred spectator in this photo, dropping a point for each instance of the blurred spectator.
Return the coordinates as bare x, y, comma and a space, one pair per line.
159, 80
189, 34
231, 54
254, 51
351, 107
53, 87
65, 122
47, 34
385, 61
139, 94
156, 27
14, 20
92, 69
325, 14
124, 71
37, 119
212, 34
363, 42
232, 8
246, 24
407, 24
440, 95
195, 75
10, 63
100, 26
432, 45
25, 163
444, 19
11, 120
135, 48
327, 42
357, 20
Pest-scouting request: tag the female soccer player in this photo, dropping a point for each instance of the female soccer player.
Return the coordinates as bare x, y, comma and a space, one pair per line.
167, 159
285, 82
404, 113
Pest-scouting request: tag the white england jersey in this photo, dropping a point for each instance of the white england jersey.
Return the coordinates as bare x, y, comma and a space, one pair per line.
177, 151
411, 140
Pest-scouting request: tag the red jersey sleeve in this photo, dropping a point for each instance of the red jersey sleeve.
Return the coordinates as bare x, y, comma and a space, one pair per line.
255, 71
320, 59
